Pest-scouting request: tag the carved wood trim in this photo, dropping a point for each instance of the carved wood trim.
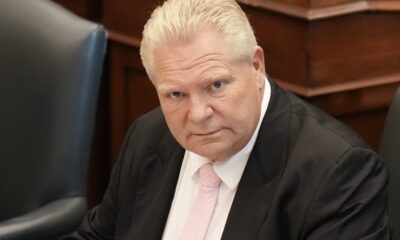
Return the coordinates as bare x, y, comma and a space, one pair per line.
339, 87
318, 13
124, 39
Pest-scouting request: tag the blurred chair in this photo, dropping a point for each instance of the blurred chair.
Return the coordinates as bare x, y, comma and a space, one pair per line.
390, 153
50, 69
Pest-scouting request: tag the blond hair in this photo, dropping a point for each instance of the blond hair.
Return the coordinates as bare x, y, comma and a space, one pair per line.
180, 20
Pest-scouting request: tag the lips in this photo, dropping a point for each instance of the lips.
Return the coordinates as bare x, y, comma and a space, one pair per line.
207, 133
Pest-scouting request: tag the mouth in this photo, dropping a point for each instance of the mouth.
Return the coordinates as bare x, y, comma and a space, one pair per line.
205, 134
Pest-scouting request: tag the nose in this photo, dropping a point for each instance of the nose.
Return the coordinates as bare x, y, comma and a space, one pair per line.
199, 110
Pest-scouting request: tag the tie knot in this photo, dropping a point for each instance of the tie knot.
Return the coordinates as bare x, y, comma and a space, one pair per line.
208, 177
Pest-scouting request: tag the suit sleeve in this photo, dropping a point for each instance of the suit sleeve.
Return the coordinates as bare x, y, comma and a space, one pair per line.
99, 222
351, 201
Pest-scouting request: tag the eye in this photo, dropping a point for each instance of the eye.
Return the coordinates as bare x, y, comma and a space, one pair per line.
175, 94
217, 85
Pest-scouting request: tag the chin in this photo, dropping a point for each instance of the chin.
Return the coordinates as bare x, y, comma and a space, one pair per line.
217, 155
215, 151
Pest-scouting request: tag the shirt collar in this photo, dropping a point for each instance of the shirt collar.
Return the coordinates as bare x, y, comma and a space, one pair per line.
231, 170
195, 162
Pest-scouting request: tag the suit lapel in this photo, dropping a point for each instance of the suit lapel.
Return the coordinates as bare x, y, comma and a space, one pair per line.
261, 175
168, 155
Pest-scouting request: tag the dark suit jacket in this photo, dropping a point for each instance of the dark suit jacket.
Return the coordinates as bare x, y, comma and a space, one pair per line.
308, 177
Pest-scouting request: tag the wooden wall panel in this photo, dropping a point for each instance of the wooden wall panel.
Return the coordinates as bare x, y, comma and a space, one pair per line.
355, 48
320, 9
132, 94
348, 65
127, 16
357, 101
329, 55
302, 3
89, 9
363, 109
284, 40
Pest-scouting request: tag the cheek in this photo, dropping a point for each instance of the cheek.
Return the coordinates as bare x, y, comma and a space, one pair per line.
244, 112
175, 118
171, 109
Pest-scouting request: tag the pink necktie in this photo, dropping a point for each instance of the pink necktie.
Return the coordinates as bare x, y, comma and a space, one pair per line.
203, 208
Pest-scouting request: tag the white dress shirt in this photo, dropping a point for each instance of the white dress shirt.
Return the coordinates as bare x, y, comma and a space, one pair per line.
229, 171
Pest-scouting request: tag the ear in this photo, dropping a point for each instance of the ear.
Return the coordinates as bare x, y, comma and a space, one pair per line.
259, 64
258, 60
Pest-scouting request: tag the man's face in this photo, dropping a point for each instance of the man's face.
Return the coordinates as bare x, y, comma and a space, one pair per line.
211, 102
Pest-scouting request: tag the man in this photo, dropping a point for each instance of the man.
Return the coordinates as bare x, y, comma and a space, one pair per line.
279, 168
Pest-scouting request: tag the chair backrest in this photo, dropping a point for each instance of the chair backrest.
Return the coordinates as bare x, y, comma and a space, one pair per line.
50, 68
390, 153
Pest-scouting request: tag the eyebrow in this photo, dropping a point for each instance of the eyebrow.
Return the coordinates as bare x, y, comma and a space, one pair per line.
166, 87
206, 77
217, 75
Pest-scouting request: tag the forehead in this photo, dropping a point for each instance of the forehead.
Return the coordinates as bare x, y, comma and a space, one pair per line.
203, 52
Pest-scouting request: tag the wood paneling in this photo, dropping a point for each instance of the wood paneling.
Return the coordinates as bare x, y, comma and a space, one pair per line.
348, 65
357, 101
89, 9
322, 9
326, 56
353, 48
128, 16
132, 94
362, 109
